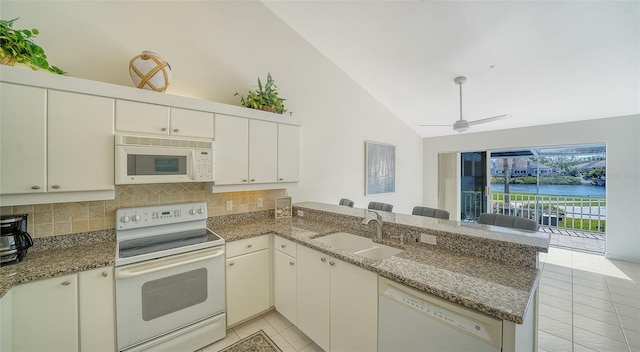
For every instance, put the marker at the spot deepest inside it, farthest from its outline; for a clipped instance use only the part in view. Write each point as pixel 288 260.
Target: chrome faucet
pixel 378 220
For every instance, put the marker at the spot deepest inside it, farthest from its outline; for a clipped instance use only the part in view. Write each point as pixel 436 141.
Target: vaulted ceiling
pixel 542 62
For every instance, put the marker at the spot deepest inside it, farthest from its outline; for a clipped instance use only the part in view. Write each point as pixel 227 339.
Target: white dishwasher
pixel 411 320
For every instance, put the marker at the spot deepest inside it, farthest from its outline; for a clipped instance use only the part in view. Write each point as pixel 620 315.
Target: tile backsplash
pixel 64 218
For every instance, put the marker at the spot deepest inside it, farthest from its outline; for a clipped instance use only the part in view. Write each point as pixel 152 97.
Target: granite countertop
pixel 49 263
pixel 497 289
pixel 480 231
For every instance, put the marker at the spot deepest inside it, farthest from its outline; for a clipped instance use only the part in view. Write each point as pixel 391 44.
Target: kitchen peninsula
pixel 486 269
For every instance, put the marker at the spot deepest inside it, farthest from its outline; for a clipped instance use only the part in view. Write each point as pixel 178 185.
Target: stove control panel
pixel 131 218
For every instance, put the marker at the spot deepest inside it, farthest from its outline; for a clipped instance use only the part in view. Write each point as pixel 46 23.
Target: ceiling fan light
pixel 461 126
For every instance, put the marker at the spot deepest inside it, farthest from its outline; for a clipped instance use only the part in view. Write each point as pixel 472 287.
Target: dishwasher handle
pixel 148 268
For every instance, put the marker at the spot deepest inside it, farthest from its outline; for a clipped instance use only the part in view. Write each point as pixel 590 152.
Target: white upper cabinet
pixel 23 137
pixel 288 153
pixel 134 116
pixel 191 123
pixel 255 152
pixel 232 150
pixel 80 142
pixel 246 151
pixel 54 142
pixel 263 151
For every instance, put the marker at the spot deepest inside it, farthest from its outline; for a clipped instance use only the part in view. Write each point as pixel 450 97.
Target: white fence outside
pixel 567 212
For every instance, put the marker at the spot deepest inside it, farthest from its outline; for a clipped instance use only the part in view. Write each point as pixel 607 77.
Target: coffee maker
pixel 14 238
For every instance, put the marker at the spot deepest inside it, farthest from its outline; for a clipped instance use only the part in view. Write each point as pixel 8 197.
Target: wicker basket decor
pixel 149 71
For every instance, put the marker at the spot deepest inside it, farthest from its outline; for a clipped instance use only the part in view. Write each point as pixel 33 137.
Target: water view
pixel 563 190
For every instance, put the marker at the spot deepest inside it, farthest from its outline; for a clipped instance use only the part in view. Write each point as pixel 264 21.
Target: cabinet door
pixel 263 151
pixel 5 322
pixel 141 117
pixel 354 308
pixel 288 153
pixel 232 150
pixel 45 315
pixel 97 310
pixel 191 123
pixel 247 286
pixel 284 285
pixel 313 295
pixel 23 128
pixel 80 143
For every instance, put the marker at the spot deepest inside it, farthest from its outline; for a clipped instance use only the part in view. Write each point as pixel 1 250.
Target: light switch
pixel 229 205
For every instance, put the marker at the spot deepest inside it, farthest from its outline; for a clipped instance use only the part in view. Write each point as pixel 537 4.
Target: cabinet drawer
pixel 248 245
pixel 285 246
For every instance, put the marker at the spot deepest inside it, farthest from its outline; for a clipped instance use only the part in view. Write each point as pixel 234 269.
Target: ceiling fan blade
pixel 489 119
pixel 434 125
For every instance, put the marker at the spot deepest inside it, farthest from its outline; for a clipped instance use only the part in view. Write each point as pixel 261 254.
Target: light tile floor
pixel 588 303
pixel 279 329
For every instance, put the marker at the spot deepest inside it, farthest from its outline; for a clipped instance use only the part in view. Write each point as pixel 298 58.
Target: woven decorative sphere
pixel 149 71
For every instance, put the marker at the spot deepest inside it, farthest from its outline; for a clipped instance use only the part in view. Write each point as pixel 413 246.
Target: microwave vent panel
pixel 163 142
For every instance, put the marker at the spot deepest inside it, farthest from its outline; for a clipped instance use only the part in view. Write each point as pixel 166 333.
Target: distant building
pixel 592 165
pixel 519 167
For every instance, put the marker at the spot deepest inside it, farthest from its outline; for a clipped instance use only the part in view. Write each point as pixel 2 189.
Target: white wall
pixel 623 167
pixel 217 48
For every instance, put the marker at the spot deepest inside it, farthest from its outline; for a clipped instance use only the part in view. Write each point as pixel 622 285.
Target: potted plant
pixel 264 98
pixel 16 45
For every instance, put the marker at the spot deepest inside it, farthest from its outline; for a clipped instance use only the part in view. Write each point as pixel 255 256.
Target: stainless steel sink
pixel 379 252
pixel 359 245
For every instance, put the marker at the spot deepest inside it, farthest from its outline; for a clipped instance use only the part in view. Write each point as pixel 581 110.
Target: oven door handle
pixel 125 273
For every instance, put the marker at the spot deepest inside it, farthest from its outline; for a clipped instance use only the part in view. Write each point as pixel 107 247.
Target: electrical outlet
pixel 428 239
pixel 300 213
pixel 229 205
pixel 260 203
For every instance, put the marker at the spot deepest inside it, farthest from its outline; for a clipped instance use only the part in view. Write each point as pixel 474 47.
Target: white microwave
pixel 144 159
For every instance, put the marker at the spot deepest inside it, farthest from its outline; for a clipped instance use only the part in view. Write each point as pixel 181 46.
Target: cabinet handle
pixel 253 180
pixel 281 179
pixel 176 130
pixel 244 180
pixel 163 129
pixel 323 259
pixel 332 263
pixel 55 186
pixel 249 245
pixel 35 187
pixel 290 263
pixel 283 245
pixel 66 283
pixel 104 274
pixel 232 263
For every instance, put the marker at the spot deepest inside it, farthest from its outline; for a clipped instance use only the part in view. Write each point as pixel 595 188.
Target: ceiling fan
pixel 462 125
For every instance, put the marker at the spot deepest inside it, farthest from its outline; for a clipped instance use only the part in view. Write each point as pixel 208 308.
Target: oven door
pixel 163 295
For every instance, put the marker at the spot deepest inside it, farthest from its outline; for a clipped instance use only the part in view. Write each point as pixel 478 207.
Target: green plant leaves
pixel 17 43
pixel 264 98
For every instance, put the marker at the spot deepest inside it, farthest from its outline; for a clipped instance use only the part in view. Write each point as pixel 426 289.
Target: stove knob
pixel 136 218
pixel 200 211
pixel 192 212
pixel 125 219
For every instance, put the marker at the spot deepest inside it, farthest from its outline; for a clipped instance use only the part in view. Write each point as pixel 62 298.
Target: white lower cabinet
pixel 337 302
pixel 5 322
pixel 284 278
pixel 45 315
pixel 96 307
pixel 248 278
pixel 74 312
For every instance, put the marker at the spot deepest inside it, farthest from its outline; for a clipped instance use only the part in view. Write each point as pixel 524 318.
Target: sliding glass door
pixel 473 183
